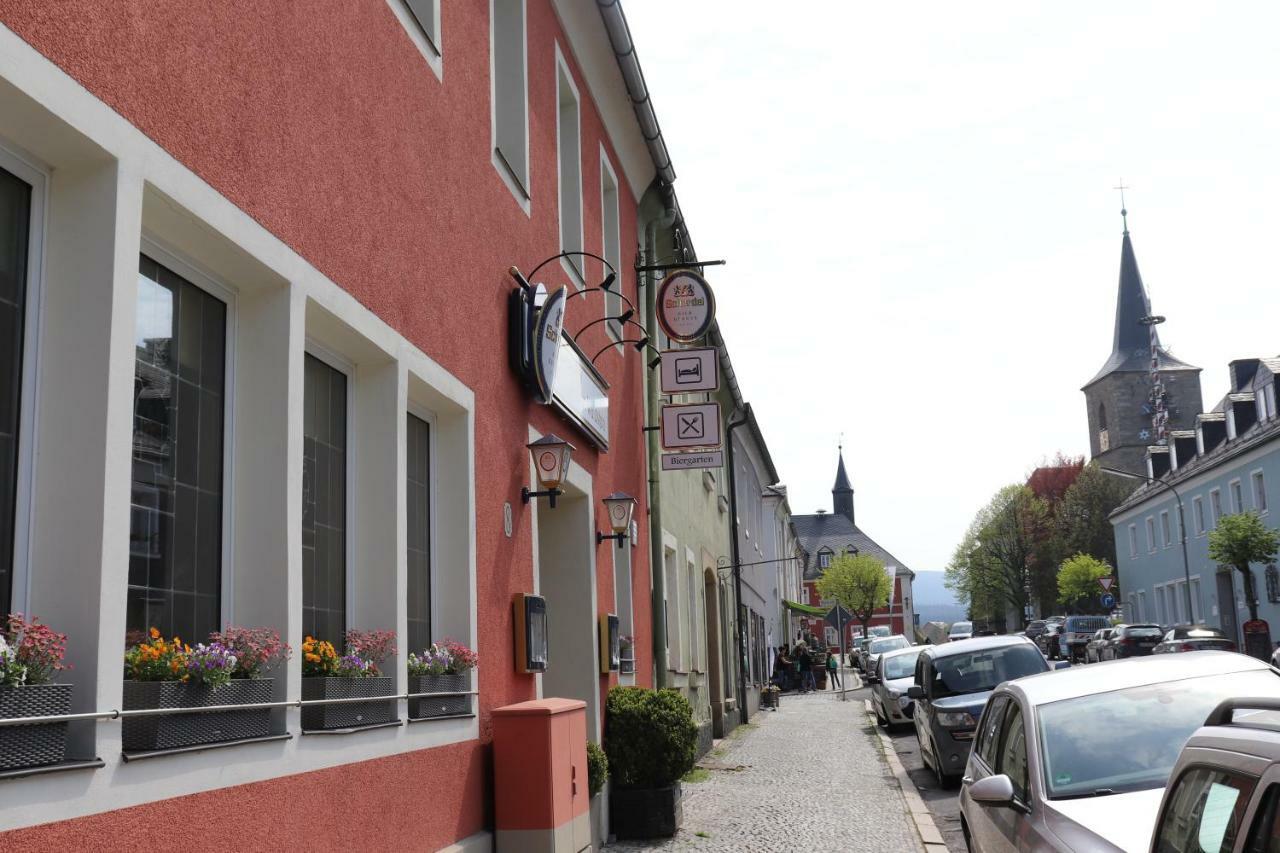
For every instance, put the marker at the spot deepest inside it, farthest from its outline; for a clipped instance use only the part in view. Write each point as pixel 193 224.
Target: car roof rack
pixel 1224 714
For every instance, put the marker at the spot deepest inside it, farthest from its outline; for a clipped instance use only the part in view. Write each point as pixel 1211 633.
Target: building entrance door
pixel 1227 606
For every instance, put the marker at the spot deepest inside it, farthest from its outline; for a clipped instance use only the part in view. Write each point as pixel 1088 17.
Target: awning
pixel 806 609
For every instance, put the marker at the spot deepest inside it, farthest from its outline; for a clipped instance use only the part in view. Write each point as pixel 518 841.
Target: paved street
pixel 809 777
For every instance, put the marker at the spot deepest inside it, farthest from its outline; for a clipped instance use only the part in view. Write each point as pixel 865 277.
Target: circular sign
pixel 549 461
pixel 1108 600
pixel 618 512
pixel 508 524
pixel 686 306
pixel 546 343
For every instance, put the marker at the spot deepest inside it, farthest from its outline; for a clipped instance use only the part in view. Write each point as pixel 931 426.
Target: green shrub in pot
pixel 597 768
pixel 650 737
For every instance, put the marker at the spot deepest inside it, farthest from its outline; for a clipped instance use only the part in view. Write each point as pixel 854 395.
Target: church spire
pixel 842 492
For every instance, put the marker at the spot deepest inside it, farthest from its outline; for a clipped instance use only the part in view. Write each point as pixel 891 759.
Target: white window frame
pixel 427 415
pixel 37 177
pixel 519 186
pixel 1258 484
pixel 1151 534
pixel 613 298
pixel 1166 529
pixel 824 559
pixel 1215 507
pixel 1133 540
pixel 425 35
pixel 347 368
pixel 222 290
pixel 569 187
pixel 1196 608
pixel 693 578
pixel 1236 489
pixel 1197 514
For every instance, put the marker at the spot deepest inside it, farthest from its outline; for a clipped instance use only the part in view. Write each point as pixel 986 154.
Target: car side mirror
pixel 915 691
pixel 872 678
pixel 993 791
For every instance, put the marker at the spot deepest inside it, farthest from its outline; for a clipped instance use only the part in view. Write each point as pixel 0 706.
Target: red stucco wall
pixel 324 123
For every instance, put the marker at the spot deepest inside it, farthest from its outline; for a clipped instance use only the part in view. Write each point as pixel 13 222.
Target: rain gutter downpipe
pixel 737 561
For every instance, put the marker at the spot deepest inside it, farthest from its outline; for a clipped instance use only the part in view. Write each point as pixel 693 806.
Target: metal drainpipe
pixel 657 557
pixel 737 563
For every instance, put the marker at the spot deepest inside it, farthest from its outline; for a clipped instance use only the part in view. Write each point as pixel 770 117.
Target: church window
pixel 1102 416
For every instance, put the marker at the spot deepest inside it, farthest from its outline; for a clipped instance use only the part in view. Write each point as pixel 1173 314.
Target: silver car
pixel 877 647
pixel 1077 760
pixel 894 673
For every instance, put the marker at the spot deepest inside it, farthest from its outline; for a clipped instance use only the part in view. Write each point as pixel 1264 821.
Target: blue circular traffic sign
pixel 1108 600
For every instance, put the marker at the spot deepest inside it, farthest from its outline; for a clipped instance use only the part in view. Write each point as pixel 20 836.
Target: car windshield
pixel 962 628
pixel 1083 624
pixel 1144 631
pixel 982 670
pixel 880 631
pixel 900 666
pixel 1128 740
pixel 879 647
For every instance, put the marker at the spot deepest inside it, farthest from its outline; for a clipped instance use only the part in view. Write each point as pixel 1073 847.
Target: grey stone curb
pixel 919 812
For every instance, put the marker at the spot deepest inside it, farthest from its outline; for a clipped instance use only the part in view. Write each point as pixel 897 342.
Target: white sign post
pixel 685 371
pixel 696 425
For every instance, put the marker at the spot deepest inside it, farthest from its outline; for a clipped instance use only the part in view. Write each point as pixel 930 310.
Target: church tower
pixel 1120 400
pixel 842 492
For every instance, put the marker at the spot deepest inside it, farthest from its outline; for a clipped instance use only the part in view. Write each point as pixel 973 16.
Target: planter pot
pixel 439 706
pixel 768 699
pixel 627 666
pixel 170 731
pixel 349 714
pixel 32 746
pixel 636 813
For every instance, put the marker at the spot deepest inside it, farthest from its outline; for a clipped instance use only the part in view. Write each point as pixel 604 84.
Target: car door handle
pixel 966 780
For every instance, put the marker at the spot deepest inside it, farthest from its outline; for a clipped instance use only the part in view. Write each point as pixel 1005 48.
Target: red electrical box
pixel 542 802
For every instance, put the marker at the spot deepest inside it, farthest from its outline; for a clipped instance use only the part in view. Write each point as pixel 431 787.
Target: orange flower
pixel 155 633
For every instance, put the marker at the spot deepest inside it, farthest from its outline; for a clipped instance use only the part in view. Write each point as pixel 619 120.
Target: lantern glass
pixel 620 507
pixel 551 455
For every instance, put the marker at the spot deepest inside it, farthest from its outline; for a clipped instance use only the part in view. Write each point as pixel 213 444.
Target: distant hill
pixel 933 601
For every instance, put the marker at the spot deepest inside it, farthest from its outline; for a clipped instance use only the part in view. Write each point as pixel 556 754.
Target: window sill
pixel 201 747
pixel 354 729
pixel 412 720
pixel 61 766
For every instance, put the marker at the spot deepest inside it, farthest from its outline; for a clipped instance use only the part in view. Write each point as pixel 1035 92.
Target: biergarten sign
pixel 546 344
pixel 686 306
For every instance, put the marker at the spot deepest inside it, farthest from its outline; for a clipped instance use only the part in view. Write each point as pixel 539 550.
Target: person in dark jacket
pixel 807 682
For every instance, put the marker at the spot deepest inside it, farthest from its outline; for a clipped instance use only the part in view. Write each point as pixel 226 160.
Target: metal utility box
pixel 540 777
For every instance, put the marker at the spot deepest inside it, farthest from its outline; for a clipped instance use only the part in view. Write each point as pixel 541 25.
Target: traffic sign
pixel 687 370
pixel 1108 600
pixel 696 425
pixel 838 617
pixel 1106 583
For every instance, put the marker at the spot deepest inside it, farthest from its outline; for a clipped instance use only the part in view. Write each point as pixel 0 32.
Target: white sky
pixel 915 202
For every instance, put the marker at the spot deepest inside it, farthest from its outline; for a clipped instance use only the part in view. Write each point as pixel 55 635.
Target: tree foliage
pixel 859 583
pixel 1078 578
pixel 991 570
pixel 1084 516
pixel 1242 539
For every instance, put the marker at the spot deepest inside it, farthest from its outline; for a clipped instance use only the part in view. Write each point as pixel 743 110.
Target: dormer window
pixel 824 558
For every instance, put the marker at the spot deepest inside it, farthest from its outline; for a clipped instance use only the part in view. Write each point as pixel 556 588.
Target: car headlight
pixel 956 719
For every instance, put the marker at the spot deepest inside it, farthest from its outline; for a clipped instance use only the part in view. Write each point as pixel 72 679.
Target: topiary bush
pixel 597 768
pixel 650 737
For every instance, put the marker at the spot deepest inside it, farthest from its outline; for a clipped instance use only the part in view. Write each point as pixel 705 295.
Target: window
pixel 1266 823
pixel 569 147
pixel 1237 496
pixel 426 13
pixel 1195 600
pixel 1259 491
pixel 1165 531
pixel 175 518
pixel 15 228
pixel 988 732
pixel 1197 511
pixel 1133 540
pixel 1204 811
pixel 824 559
pixel 1215 507
pixel 1151 535
pixel 691 594
pixel 418 511
pixel 508 73
pixel 324 502
pixel 611 248
pixel 1013 752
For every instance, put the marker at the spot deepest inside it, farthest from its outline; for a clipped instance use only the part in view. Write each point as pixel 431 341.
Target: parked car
pixel 1048 641
pixel 1093 651
pixel 894 674
pixel 879 631
pixel 1076 633
pixel 960 631
pixel 1078 760
pixel 1034 629
pixel 859 648
pixel 952 683
pixel 1224 792
pixel 1131 641
pixel 1193 638
pixel 878 646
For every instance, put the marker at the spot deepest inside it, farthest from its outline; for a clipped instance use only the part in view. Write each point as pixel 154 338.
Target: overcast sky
pixel 915 202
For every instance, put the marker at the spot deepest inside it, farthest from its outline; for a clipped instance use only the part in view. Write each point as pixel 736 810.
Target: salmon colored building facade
pixel 349 182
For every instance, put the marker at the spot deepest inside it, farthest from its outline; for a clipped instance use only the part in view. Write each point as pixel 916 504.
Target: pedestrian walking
pixel 833 671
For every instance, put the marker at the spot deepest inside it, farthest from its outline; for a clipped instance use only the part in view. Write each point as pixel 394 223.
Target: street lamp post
pixel 1182 527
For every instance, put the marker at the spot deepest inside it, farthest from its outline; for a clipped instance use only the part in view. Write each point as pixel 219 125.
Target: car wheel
pixel 880 718
pixel 945 780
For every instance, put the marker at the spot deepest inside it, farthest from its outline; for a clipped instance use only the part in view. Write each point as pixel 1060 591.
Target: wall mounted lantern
pixel 620 506
pixel 551 455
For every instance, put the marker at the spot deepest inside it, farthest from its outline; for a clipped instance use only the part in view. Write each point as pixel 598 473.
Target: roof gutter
pixel 624 50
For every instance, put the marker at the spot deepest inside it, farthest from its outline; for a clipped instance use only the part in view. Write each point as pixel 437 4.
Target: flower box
pixel 170 731
pixel 439 706
pixel 627 666
pixel 347 714
pixel 43 743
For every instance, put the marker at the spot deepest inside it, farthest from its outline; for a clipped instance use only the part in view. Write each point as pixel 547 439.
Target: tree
pixel 1242 539
pixel 1083 518
pixel 991 569
pixel 1078 578
pixel 857 582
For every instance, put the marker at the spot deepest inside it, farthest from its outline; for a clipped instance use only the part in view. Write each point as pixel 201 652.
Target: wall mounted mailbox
pixel 610 644
pixel 530 613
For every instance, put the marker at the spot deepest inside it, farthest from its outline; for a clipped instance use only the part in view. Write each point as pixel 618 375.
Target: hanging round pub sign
pixel 686 306
pixel 546 344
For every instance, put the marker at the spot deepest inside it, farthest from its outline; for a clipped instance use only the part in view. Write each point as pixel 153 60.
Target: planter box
pixel 170 731
pixel 636 813
pixel 349 714
pixel 32 746
pixel 439 706
pixel 627 666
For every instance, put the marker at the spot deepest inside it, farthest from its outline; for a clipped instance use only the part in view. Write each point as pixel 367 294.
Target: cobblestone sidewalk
pixel 809 777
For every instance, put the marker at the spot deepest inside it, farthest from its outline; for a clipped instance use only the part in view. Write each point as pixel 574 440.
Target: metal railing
pixel 117 714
